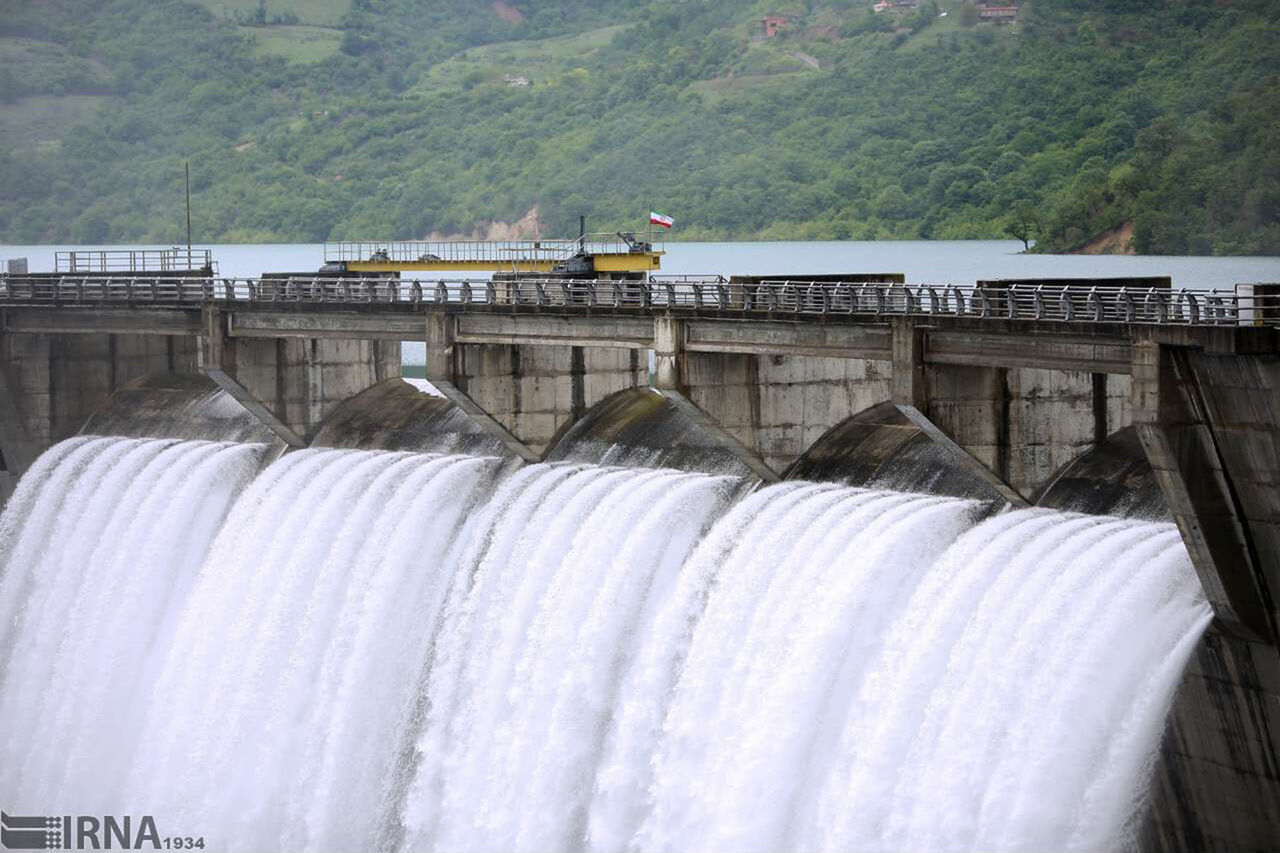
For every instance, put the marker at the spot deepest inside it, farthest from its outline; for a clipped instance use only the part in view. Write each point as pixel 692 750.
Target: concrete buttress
pixel 1181 443
pixel 911 396
pixel 670 371
pixel 443 355
pixel 217 362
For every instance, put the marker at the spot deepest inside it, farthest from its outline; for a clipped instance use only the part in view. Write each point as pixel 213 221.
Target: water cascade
pixel 357 650
pixel 99 548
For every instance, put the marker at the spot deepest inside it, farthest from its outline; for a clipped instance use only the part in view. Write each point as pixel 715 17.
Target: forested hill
pixel 315 119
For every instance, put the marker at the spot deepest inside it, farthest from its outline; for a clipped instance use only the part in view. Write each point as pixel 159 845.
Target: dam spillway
pixel 360 649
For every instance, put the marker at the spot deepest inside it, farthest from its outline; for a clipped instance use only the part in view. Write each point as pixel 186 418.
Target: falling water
pixel 98 550
pixel 358 650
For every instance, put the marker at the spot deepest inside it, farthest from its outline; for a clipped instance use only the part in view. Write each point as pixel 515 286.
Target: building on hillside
pixel 998 14
pixel 515 80
pixel 906 4
pixel 882 6
pixel 771 24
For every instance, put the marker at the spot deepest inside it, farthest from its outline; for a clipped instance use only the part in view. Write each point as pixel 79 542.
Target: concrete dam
pixel 652 565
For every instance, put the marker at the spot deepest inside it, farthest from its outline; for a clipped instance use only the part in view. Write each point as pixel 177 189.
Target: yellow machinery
pixel 600 255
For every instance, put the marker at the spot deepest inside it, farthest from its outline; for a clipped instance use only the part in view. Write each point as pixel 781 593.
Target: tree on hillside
pixel 968 14
pixel 1022 223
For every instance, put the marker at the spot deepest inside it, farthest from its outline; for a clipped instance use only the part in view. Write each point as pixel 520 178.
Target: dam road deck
pixel 1069 328
pixel 1010 384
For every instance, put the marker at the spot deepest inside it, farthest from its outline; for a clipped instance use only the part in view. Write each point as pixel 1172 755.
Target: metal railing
pixel 133 260
pixel 688 279
pixel 1246 305
pixel 495 252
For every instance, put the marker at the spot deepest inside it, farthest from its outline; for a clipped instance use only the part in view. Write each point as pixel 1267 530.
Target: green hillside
pixel 319 119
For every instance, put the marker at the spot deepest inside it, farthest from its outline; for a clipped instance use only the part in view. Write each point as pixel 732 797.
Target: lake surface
pixel 931 261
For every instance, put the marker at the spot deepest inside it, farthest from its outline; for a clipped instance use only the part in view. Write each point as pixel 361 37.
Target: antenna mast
pixel 188 166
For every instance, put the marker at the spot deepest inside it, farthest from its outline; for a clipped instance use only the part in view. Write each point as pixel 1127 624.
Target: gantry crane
pixel 620 254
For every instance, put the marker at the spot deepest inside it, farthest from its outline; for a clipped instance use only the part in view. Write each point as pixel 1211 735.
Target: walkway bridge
pixel 1020 388
pixel 167 262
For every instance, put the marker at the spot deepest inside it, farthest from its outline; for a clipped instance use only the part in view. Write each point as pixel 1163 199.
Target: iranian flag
pixel 656 218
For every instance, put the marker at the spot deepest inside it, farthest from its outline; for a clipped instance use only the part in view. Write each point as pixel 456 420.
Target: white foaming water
pixel 397 651
pixel 277 716
pixel 98 551
pixel 528 661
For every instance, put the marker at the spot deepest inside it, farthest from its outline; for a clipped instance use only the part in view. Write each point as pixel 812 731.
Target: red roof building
pixel 772 23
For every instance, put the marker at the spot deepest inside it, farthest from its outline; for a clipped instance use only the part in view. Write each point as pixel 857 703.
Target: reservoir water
pixel 927 261
pixel 365 650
